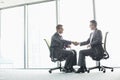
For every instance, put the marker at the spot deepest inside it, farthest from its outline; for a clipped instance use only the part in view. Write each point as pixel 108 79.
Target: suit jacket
pixel 96 44
pixel 57 43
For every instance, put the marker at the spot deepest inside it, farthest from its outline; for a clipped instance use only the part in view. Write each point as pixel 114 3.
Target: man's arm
pixel 98 39
pixel 85 42
pixel 58 39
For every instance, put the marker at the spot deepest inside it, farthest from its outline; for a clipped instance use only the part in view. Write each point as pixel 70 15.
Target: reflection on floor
pixel 16 74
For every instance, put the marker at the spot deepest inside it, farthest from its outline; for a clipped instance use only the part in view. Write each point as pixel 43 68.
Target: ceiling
pixel 9 3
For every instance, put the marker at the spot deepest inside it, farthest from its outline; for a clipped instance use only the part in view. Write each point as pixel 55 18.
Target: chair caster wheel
pixel 112 70
pixel 99 69
pixel 61 69
pixel 104 71
pixel 88 71
pixel 50 71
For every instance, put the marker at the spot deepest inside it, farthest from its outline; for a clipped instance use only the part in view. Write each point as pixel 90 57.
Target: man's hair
pixel 94 22
pixel 58 26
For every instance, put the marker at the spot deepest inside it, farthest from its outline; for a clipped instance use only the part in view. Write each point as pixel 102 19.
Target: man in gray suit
pixel 95 47
pixel 58 49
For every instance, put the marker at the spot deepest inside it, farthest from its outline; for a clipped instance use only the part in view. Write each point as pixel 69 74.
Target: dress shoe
pixel 85 69
pixel 66 70
pixel 72 70
pixel 80 70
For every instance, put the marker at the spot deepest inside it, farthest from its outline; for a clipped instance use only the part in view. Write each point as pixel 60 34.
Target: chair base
pixel 60 68
pixel 56 68
pixel 101 68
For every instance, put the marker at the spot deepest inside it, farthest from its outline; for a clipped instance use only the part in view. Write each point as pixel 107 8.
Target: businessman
pixel 94 45
pixel 58 49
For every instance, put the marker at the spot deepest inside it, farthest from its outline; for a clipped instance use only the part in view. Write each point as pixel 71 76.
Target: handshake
pixel 75 43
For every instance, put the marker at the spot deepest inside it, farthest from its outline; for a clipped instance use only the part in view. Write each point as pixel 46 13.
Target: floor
pixel 16 74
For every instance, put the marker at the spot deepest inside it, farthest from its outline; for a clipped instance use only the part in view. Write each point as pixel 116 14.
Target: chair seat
pixel 55 59
pixel 97 58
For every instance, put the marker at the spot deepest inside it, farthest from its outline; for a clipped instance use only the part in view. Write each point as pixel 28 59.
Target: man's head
pixel 93 24
pixel 59 28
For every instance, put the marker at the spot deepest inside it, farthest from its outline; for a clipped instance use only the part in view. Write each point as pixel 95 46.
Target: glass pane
pixel 75 16
pixel 12 37
pixel 42 22
pixel 108 17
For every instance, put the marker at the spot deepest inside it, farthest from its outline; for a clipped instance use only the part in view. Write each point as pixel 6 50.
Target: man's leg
pixel 81 60
pixel 70 57
pixel 74 61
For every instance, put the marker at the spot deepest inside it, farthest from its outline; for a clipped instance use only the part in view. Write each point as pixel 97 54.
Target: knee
pixel 70 53
pixel 74 52
pixel 81 52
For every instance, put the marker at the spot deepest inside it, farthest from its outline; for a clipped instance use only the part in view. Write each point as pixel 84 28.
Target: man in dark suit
pixel 58 49
pixel 94 44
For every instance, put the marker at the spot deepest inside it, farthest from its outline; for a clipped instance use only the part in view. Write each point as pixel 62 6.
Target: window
pixel 41 25
pixel 108 18
pixel 12 36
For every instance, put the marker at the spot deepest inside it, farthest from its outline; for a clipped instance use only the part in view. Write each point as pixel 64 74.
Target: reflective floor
pixel 15 74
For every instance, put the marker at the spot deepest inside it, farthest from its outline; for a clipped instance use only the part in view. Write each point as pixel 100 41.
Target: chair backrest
pixel 47 43
pixel 106 55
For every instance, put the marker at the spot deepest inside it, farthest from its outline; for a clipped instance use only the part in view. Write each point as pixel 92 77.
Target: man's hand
pixel 88 46
pixel 75 43
pixel 68 46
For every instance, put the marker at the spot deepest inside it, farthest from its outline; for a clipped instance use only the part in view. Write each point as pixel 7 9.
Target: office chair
pixel 105 56
pixel 54 59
